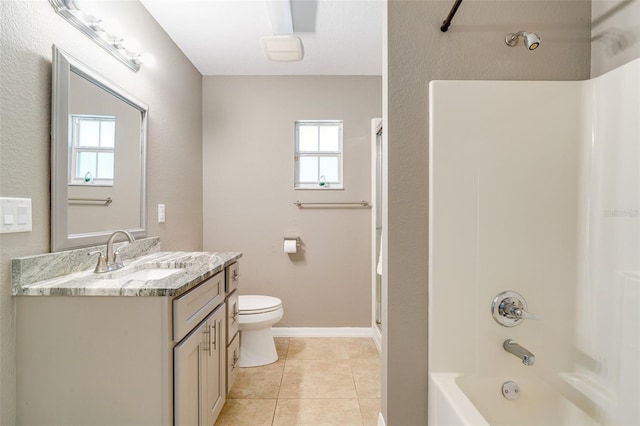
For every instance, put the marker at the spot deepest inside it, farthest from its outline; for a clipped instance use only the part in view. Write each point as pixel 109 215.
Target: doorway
pixel 377 228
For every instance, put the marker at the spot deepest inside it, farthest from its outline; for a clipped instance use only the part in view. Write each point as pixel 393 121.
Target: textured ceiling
pixel 222 37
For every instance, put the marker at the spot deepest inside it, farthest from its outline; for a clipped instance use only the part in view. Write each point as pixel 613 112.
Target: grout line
pixel 355 388
pixel 286 356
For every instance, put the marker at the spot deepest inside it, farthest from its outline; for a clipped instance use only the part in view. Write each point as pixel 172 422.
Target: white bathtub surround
pixel 607 323
pixel 192 268
pixel 534 188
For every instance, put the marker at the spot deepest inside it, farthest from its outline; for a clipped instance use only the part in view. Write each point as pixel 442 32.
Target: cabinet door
pixel 188 357
pixel 199 372
pixel 233 361
pixel 214 380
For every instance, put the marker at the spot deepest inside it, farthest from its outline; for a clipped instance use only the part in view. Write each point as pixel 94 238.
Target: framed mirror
pixel 98 157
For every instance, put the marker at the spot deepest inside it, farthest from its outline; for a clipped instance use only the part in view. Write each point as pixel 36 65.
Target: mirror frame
pixel 63 65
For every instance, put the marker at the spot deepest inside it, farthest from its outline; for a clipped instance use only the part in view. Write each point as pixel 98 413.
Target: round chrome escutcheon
pixel 510 390
pixel 503 299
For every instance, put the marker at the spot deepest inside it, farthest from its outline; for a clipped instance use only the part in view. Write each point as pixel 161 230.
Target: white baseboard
pixel 377 338
pixel 321 331
pixel 381 420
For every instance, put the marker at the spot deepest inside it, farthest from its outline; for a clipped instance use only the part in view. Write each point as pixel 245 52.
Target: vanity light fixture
pixel 92 27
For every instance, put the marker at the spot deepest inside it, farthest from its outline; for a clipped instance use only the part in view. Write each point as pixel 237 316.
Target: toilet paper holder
pixel 292 238
pixel 290 245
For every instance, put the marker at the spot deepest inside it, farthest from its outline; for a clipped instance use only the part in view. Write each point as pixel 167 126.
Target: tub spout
pixel 514 348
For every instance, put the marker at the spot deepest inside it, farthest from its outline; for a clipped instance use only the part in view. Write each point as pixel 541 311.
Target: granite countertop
pixel 193 268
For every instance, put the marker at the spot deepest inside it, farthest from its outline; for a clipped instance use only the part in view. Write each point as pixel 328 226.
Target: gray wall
pixel 417 52
pixel 248 193
pixel 615 34
pixel 173 91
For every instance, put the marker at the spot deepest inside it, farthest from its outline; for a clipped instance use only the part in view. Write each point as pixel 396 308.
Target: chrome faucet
pixel 112 262
pixel 510 309
pixel 514 348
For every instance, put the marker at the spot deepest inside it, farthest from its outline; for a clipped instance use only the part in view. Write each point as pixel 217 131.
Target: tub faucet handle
pixel 513 311
pixel 510 309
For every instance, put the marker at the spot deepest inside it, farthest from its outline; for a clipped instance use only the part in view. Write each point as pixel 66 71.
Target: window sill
pixel 319 188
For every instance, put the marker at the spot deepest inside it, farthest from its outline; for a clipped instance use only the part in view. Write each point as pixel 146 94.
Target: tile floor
pixel 316 382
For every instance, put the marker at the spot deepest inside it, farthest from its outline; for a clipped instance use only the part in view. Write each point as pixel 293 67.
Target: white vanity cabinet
pixel 157 358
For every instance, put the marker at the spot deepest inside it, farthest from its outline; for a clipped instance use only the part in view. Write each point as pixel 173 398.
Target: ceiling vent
pixel 283 48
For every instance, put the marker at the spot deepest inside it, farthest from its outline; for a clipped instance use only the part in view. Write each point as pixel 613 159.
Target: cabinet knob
pixel 235 313
pixel 236 359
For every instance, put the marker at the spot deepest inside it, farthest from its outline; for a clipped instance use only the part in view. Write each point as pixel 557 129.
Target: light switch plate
pixel 161 217
pixel 15 215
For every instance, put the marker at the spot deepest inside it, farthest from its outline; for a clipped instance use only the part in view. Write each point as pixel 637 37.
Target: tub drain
pixel 510 390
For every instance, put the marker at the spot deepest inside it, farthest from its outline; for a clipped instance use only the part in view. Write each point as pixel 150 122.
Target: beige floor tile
pixel 317 412
pixel 247 412
pixel 258 382
pixel 362 348
pixel 282 346
pixel 366 375
pixel 317 379
pixel 318 348
pixel 369 409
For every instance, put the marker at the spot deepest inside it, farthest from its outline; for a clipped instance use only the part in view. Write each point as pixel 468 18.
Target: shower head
pixel 531 40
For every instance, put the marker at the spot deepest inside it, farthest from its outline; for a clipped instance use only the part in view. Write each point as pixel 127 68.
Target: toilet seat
pixel 252 304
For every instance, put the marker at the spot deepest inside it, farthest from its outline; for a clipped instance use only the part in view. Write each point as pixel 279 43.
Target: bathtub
pixel 457 399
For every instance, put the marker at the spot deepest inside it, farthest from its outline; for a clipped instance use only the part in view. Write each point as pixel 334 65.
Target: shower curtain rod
pixel 447 22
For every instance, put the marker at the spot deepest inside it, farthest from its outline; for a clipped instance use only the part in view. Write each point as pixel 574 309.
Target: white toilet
pixel 257 314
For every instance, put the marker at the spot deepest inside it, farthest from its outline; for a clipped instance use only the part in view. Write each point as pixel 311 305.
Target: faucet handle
pixel 116 259
pixel 102 264
pixel 510 309
pixel 522 314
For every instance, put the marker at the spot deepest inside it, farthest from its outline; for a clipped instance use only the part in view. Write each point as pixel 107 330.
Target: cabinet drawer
pixel 233 319
pixel 233 277
pixel 192 307
pixel 233 361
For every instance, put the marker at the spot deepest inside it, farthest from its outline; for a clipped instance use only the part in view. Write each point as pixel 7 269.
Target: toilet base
pixel 257 347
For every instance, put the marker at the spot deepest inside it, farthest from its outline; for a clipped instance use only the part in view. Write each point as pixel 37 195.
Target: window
pixel 92 151
pixel 318 157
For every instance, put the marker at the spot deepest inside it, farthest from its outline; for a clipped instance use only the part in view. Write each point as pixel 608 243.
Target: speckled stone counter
pixel 59 274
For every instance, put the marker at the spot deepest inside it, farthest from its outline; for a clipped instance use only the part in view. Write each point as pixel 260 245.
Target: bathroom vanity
pixel 153 343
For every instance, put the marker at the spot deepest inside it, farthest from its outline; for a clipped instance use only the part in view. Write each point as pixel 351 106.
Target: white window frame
pixel 77 148
pixel 339 184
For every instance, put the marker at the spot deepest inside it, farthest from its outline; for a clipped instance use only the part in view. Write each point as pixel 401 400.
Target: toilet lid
pixel 251 304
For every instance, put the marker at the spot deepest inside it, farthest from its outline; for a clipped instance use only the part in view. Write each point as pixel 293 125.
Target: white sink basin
pixel 147 273
pixel 150 274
